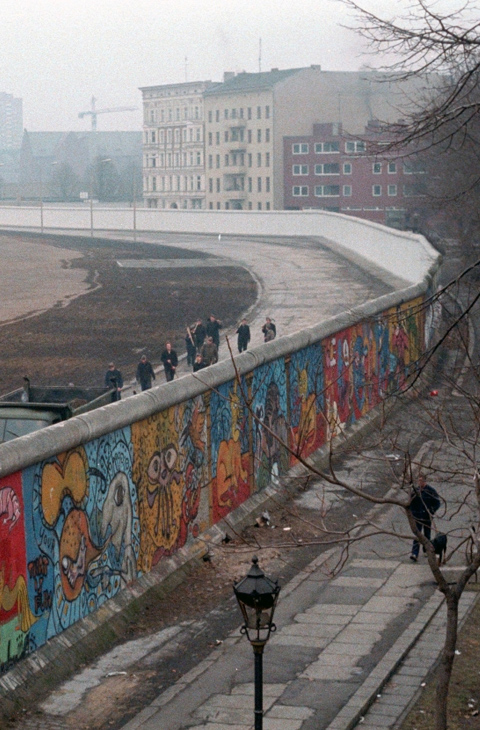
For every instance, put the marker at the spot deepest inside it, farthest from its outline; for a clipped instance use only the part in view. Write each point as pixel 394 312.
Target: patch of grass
pixel 464 699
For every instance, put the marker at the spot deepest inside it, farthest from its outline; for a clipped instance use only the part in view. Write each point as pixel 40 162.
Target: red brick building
pixel 332 171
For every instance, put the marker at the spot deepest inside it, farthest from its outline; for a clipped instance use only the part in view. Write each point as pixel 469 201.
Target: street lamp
pixel 257 597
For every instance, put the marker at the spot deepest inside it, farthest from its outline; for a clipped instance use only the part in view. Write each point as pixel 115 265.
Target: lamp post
pixel 257 597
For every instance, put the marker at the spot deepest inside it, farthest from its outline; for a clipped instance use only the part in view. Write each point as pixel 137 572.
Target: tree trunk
pixel 446 662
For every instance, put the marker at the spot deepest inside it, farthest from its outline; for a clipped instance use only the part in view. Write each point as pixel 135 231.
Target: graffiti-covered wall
pixel 78 526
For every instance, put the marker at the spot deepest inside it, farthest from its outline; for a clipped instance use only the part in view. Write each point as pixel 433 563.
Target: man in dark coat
pixel 269 330
pixel 114 380
pixel 198 364
pixel 170 361
pixel 213 329
pixel 425 502
pixel 191 346
pixel 243 333
pixel 145 373
pixel 199 334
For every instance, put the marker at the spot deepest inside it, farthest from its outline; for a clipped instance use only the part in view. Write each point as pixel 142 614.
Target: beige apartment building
pixel 248 115
pixel 173 145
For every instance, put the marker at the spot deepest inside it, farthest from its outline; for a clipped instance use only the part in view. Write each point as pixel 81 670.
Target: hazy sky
pixel 56 54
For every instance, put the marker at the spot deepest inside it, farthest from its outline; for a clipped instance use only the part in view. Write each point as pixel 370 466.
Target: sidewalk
pixel 338 642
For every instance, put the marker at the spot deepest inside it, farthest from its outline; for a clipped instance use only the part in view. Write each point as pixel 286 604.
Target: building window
pixel 267 112
pixel 234 113
pixel 300 149
pixel 259 112
pixel 218 206
pixel 249 112
pixel 210 138
pixel 392 190
pixel 199 158
pixel 300 169
pixel 392 168
pixel 217 161
pixel 226 136
pixel 259 206
pixel 250 205
pixel 249 135
pixel 249 184
pixel 225 113
pixel 328 168
pixel 355 146
pixel 267 206
pixel 300 191
pixel 249 159
pixel 327 191
pixel 199 182
pixel 376 191
pixel 217 115
pixel 210 206
pixel 154 183
pixel 210 116
pixel 347 191
pixel 377 168
pixel 217 138
pixel 199 134
pixel 267 135
pixel 177 114
pixel 197 115
pixel 210 185
pixel 267 159
pixel 227 206
pixel 259 135
pixel 324 147
pixel 226 160
pixel 218 184
pixel 267 184
pixel 259 159
pixel 347 168
pixel 259 184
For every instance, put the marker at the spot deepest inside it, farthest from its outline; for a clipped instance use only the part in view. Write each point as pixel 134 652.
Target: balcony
pixel 235 123
pixel 235 194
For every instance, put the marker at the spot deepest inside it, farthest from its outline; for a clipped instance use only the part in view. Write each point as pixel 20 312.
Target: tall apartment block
pixel 11 122
pixel 173 145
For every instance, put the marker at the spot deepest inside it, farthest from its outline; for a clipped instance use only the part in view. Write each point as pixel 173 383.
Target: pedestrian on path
pixel 191 346
pixel 425 502
pixel 243 333
pixel 114 380
pixel 170 361
pixel 269 330
pixel 213 328
pixel 198 364
pixel 209 352
pixel 145 373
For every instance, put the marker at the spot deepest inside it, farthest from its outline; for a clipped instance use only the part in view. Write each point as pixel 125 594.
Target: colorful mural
pixel 76 528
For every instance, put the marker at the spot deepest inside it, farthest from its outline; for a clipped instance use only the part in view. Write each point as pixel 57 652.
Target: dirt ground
pixel 125 312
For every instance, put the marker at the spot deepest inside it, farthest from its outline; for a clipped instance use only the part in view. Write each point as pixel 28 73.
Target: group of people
pixel 202 343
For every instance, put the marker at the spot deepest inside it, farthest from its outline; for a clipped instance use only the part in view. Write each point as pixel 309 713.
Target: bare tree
pixel 454 429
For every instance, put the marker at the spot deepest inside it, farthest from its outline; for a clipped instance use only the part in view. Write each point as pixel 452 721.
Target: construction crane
pixel 93 112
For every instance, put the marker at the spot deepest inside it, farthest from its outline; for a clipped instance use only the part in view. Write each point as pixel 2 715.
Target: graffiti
pixel 77 528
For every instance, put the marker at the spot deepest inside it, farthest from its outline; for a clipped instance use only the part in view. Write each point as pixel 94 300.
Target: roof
pixel 252 81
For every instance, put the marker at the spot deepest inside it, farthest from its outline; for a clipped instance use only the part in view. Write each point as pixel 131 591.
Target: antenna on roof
pixel 259 55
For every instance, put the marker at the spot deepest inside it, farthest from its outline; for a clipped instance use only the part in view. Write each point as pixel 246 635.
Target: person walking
pixel 170 361
pixel 114 380
pixel 213 328
pixel 198 364
pixel 269 330
pixel 209 352
pixel 191 346
pixel 145 373
pixel 199 333
pixel 243 333
pixel 425 502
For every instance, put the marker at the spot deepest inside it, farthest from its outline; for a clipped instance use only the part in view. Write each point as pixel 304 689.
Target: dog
pixel 439 543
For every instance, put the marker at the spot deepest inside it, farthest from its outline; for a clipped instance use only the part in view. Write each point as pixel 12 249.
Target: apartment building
pixel 11 122
pixel 248 115
pixel 329 170
pixel 173 145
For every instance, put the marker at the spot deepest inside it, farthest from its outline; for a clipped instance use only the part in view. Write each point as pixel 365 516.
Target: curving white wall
pixel 403 254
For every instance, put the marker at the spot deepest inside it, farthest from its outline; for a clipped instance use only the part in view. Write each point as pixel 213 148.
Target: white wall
pixel 405 255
